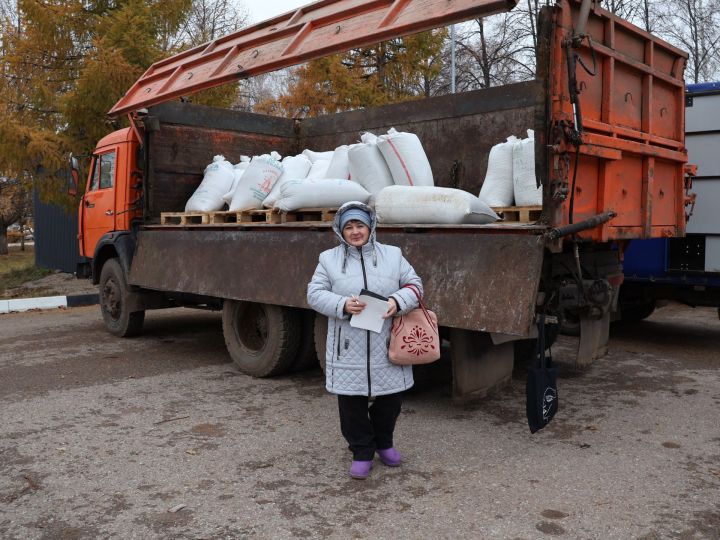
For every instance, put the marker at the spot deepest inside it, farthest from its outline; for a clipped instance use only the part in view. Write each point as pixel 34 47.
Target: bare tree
pixel 694 26
pixel 8 11
pixel 493 51
pixel 263 89
pixel 642 13
pixel 211 19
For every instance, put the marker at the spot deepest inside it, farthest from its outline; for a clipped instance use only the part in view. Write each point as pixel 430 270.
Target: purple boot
pixel 360 470
pixel 390 457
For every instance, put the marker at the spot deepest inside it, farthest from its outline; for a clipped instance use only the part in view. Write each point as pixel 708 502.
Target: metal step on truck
pixel 607 107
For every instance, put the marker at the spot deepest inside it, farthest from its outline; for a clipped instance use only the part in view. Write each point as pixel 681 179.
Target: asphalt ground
pixel 161 437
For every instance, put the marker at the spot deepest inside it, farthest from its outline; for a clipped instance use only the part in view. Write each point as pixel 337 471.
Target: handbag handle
pixel 416 290
pixel 540 360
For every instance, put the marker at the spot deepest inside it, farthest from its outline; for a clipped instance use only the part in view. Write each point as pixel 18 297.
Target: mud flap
pixel 593 343
pixel 479 366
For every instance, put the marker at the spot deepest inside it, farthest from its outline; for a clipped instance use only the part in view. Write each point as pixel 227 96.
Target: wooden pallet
pixel 255 217
pixel 521 214
pixel 183 218
pixel 245 216
pixel 309 214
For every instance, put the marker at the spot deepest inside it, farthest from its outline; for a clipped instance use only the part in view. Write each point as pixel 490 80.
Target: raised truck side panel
pixel 633 154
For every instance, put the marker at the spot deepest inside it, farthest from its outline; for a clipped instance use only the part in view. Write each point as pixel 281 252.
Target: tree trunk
pixel 3 240
pixel 22 235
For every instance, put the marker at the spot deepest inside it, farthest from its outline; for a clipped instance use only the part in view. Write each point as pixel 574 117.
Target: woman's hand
pixel 392 309
pixel 353 306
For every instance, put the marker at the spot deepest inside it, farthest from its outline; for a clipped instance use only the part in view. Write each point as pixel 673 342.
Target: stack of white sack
pixel 256 182
pixel 238 170
pixel 406 159
pixel 319 169
pixel 367 166
pixel 497 189
pixel 525 188
pixel 431 205
pixel 318 156
pixel 319 193
pixel 339 166
pixel 294 168
pixel 217 181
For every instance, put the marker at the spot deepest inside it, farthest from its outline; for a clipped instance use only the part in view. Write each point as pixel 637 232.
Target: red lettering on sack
pixel 266 186
pixel 402 163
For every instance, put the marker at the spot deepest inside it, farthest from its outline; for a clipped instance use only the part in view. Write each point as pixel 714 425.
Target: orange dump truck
pixel 607 109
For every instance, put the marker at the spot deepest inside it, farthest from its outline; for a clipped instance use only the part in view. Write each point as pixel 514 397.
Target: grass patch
pixel 19 267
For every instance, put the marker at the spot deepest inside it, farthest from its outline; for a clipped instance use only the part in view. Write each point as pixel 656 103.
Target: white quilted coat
pixel 357 360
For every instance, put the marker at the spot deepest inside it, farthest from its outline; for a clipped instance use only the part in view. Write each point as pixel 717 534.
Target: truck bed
pixel 457 133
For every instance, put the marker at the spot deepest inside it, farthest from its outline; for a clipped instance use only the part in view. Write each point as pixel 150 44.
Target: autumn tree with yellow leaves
pixel 389 72
pixel 64 63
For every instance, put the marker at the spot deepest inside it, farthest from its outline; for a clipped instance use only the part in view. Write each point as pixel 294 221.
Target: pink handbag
pixel 414 337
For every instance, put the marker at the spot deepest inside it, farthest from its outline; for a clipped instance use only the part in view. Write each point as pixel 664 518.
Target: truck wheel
pixel 637 312
pixel 262 339
pixel 321 330
pixel 113 302
pixel 307 357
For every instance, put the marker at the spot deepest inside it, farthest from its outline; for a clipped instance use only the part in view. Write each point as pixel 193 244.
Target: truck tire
pixel 306 357
pixel 262 339
pixel 637 312
pixel 113 291
pixel 321 329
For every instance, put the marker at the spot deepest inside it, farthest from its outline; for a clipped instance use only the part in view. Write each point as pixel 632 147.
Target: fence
pixel 56 244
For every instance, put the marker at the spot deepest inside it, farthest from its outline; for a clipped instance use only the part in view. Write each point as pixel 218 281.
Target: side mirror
pixel 74 180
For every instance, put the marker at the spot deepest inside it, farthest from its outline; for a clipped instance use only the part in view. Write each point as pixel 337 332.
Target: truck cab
pixel 112 199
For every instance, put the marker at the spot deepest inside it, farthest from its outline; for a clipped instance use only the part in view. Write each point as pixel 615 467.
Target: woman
pixel 357 366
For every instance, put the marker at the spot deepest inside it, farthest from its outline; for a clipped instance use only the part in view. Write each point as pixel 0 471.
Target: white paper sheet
pixel 370 318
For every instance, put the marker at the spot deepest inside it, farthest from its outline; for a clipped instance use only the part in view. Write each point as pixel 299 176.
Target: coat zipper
pixel 339 341
pixel 367 332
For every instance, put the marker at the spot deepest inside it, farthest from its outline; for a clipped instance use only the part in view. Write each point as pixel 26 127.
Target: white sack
pixel 318 156
pixel 294 168
pixel 319 193
pixel 217 182
pixel 426 204
pixel 368 168
pixel 405 158
pixel 238 170
pixel 338 167
pixel 369 138
pixel 497 189
pixel 255 184
pixel 527 193
pixel 319 169
pixel 244 163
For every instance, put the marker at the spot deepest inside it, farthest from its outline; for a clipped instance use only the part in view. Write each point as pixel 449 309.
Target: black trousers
pixel 367 429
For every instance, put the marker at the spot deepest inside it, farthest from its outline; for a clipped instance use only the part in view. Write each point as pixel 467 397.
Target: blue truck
pixel 685 270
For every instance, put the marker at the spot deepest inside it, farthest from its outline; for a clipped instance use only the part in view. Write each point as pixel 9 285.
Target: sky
pixel 261 10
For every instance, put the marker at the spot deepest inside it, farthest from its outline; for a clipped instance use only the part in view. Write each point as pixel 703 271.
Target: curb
pixel 48 302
